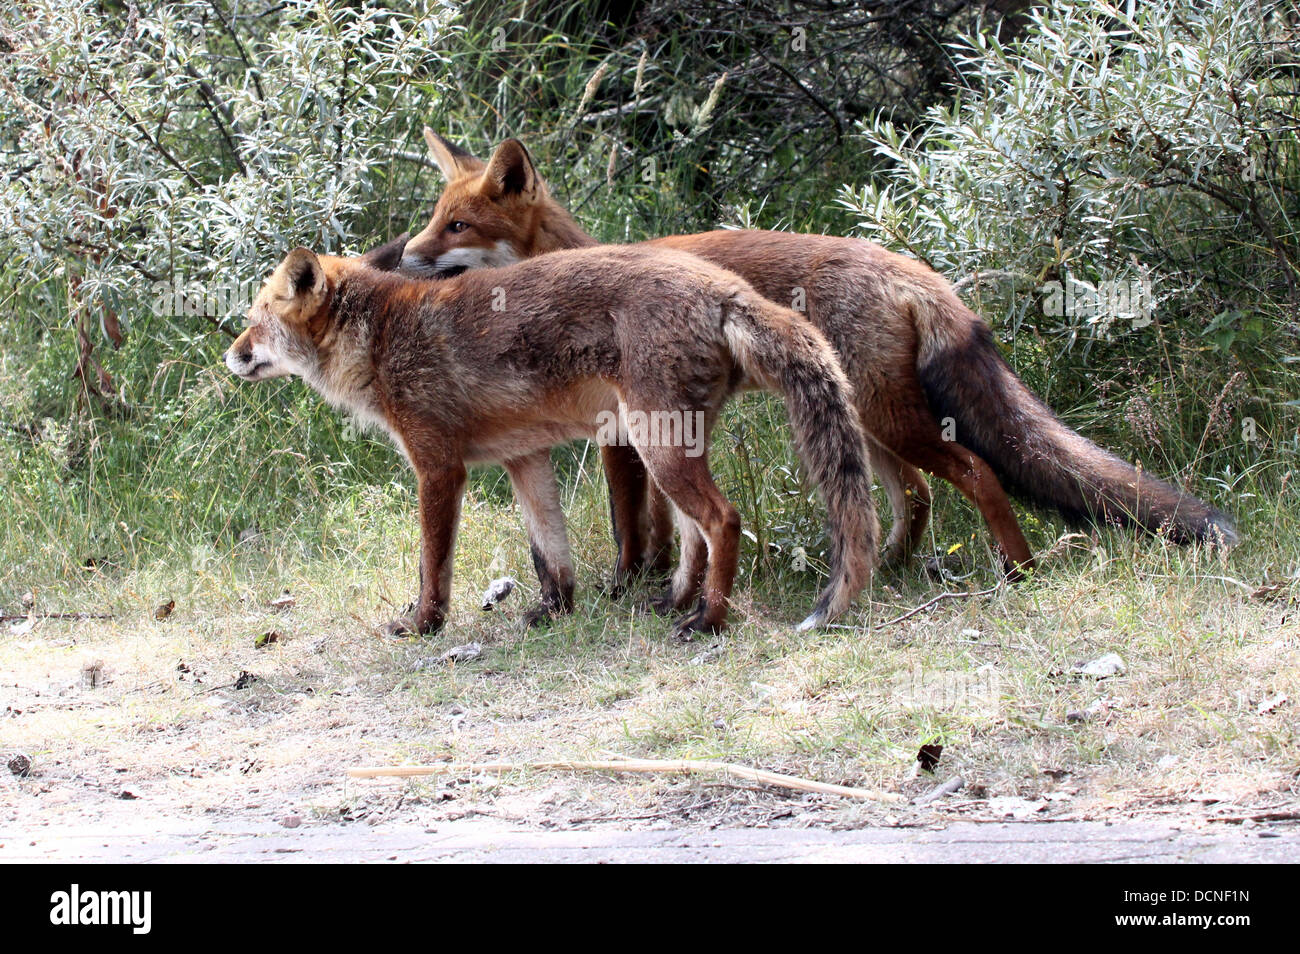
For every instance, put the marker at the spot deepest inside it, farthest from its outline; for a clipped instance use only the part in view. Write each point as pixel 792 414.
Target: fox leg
pixel 899 418
pixel 626 476
pixel 687 482
pixel 533 480
pixel 969 473
pixel 689 575
pixel 440 490
pixel 659 530
pixel 909 498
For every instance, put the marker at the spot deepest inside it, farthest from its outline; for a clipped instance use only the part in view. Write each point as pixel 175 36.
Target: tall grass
pixel 184 466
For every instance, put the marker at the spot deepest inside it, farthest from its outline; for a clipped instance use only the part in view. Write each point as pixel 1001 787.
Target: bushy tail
pixel 789 356
pixel 1033 453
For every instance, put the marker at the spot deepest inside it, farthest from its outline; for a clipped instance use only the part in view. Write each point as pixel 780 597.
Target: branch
pixel 649 766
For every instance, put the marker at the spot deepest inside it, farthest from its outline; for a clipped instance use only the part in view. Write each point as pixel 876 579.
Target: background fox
pixel 499 365
pixel 915 353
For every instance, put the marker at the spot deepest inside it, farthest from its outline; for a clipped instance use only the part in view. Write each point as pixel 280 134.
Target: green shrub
pixel 1128 179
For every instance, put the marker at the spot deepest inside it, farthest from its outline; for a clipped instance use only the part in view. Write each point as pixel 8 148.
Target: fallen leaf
pixel 1270 591
pixel 928 756
pixel 92 673
pixel 20 764
pixel 282 602
pixel 1268 705
pixel 497 591
pixel 266 639
pixel 462 653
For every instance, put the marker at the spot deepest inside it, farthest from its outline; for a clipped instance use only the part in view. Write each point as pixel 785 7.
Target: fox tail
pixel 791 357
pixel 965 377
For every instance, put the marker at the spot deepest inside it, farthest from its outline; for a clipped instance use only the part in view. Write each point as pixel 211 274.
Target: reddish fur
pixel 913 352
pixel 455 380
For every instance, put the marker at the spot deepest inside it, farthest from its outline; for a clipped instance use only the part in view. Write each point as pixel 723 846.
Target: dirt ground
pixel 159 740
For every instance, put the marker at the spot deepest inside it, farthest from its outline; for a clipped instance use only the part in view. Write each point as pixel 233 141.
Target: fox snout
pixel 242 360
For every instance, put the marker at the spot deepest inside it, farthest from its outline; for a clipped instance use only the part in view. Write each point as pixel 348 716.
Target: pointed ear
pixel 454 161
pixel 386 257
pixel 298 285
pixel 510 171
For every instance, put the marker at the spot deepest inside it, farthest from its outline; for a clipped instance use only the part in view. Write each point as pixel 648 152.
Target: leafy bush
pixel 1129 174
pixel 155 161
pixel 154 165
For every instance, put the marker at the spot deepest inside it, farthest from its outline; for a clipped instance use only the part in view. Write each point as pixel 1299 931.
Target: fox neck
pixel 557 230
pixel 343 372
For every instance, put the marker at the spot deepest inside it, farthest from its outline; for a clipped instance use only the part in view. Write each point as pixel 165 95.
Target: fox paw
pixel 410 627
pixel 538 615
pixel 697 622
pixel 661 605
pixel 614 589
pixel 401 628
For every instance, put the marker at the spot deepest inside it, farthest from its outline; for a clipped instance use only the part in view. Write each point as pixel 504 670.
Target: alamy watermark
pixel 1128 299
pixel 130 908
pixel 917 687
pixel 653 429
pixel 178 298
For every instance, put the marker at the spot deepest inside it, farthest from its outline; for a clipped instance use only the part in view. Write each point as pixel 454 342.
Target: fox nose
pixel 237 359
pixel 418 264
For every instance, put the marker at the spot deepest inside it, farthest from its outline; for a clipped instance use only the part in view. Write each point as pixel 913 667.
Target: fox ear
pixel 298 285
pixel 454 161
pixel 510 171
pixel 386 257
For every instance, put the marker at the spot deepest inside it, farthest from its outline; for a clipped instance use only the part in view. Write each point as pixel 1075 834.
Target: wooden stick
pixel 7 618
pixel 953 784
pixel 665 766
pixel 939 599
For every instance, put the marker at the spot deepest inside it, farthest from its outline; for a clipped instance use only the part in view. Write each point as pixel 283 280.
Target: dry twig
pixel 651 766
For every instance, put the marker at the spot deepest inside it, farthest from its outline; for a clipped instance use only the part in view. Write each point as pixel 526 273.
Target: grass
pixel 221 497
pixel 988 678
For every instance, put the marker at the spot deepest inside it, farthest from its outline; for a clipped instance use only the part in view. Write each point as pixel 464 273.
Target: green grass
pixel 221 496
pixel 988 678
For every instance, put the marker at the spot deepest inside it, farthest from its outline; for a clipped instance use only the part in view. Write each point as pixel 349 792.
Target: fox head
pixel 288 317
pixel 485 215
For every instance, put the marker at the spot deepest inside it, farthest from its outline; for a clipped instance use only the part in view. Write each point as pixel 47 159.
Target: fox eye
pixel 457 226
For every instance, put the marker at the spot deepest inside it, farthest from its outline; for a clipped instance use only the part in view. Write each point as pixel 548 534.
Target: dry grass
pixel 987 678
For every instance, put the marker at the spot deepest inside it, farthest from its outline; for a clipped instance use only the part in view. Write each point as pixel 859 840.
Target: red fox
pixel 498 365
pixel 917 357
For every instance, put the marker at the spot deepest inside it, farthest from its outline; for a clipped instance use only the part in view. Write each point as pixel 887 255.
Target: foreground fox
pixel 498 365
pixel 915 355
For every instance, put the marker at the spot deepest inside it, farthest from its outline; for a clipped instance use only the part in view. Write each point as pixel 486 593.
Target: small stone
pixel 463 653
pixel 20 764
pixel 1101 667
pixel 1271 703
